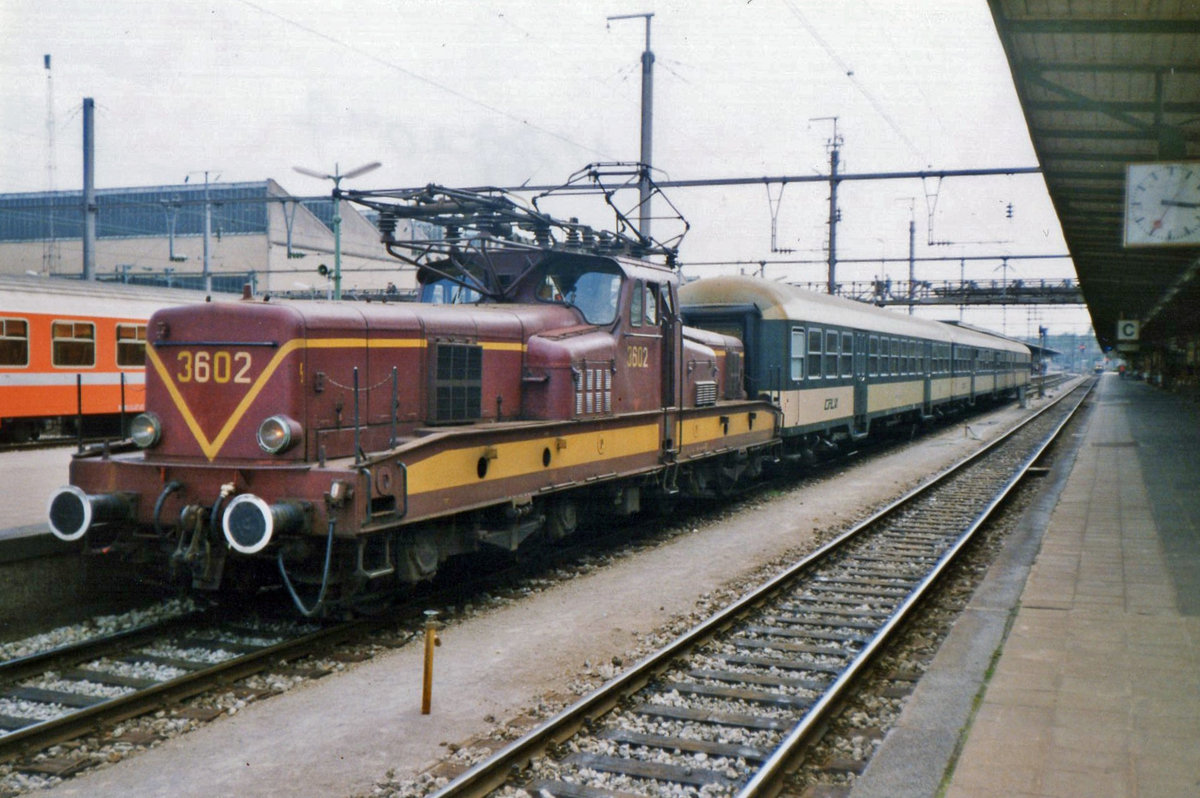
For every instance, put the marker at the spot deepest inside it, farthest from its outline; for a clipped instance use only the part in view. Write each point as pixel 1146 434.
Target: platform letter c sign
pixel 1128 330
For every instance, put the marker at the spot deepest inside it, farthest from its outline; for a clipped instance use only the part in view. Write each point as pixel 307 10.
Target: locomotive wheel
pixel 562 518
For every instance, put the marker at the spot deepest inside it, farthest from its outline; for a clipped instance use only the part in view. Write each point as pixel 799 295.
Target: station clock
pixel 1162 204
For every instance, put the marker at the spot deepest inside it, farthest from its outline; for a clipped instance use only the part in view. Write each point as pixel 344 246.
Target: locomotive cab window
pixel 635 304
pixel 131 345
pixel 593 289
pixel 666 306
pixel 448 292
pixel 797 354
pixel 14 342
pixel 73 344
pixel 651 303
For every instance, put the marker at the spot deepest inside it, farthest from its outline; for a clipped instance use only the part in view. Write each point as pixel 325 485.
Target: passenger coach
pixel 839 369
pixel 71 350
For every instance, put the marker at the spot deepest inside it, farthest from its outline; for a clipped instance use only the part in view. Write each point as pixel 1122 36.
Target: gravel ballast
pixel 360 731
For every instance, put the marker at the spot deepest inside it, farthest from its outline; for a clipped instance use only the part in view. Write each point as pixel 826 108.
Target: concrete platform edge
pixel 920 752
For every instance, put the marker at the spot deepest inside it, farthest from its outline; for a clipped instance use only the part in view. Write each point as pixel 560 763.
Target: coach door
pixel 860 382
pixel 927 372
pixel 972 368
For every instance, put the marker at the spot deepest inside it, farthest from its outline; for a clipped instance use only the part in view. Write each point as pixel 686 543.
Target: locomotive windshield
pixel 593 287
pixel 450 282
pixel 448 292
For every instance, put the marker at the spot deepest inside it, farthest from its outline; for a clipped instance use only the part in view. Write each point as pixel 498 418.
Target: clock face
pixel 1162 204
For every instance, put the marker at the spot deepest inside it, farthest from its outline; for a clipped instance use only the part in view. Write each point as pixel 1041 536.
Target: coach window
pixel 873 356
pixel 73 344
pixel 830 369
pixel 14 342
pixel 131 345
pixel 814 353
pixel 797 355
pixel 847 354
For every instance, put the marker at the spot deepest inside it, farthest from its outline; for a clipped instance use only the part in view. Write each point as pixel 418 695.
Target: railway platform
pixel 27 479
pixel 1076 670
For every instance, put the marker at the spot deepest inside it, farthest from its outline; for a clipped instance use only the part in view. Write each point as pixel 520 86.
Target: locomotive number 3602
pixel 219 367
pixel 637 357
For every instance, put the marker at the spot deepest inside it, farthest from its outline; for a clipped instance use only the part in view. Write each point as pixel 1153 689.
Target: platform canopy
pixel 1105 84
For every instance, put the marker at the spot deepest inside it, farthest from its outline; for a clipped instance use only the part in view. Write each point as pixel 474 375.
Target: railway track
pixel 64 693
pixel 729 707
pixel 57 442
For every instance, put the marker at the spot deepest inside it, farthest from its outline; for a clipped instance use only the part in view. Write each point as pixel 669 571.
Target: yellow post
pixel 431 640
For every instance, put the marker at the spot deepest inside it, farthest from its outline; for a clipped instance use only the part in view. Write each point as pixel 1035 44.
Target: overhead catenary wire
pixel 426 80
pixel 858 84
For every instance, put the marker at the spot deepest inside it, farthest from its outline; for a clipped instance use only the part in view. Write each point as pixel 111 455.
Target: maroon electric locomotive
pixel 347 449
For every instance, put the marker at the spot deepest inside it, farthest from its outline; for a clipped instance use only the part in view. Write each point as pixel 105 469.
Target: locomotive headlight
pixel 277 434
pixel 145 429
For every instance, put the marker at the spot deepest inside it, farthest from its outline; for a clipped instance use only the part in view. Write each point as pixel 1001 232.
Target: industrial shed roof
pixel 237 208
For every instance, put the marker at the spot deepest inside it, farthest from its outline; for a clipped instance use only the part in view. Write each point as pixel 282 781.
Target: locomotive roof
pixel 780 301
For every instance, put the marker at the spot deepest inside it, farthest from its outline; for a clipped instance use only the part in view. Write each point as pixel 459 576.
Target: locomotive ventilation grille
pixel 706 393
pixel 458 382
pixel 593 391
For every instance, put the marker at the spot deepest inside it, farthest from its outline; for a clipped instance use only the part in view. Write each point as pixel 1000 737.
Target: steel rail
pixel 29 664
pixel 72 724
pixel 495 771
pixel 767 780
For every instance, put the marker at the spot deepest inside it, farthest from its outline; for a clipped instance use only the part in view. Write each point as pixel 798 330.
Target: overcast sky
pixel 469 92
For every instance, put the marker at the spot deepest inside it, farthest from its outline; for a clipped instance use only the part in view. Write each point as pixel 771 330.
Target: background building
pixel 258 233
